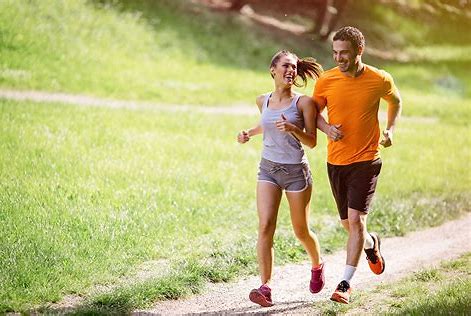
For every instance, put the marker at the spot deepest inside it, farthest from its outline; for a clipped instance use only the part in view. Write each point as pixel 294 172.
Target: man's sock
pixel 348 273
pixel 369 242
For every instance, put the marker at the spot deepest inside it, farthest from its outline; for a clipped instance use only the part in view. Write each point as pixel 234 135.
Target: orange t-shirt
pixel 354 103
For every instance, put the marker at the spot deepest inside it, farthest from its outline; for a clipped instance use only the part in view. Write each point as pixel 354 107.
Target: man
pixel 352 92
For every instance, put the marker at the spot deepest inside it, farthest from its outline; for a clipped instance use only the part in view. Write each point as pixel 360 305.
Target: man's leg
pixel 356 235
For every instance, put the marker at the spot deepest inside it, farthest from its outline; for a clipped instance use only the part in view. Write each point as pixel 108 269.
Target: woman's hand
pixel 243 137
pixel 285 126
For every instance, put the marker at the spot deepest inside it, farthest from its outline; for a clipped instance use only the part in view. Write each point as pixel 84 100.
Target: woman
pixel 288 120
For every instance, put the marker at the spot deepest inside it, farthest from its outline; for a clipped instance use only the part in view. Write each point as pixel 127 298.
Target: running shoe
pixel 374 257
pixel 317 279
pixel 261 296
pixel 342 293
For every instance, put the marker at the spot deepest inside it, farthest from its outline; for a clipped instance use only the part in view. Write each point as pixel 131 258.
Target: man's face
pixel 345 56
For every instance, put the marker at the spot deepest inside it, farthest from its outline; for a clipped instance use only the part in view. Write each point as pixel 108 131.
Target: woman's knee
pixel 267 228
pixel 302 232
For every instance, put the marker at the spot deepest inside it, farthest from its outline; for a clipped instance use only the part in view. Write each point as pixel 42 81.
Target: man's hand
pixel 334 132
pixel 243 137
pixel 387 140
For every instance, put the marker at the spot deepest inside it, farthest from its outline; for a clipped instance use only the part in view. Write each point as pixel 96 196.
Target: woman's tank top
pixel 278 146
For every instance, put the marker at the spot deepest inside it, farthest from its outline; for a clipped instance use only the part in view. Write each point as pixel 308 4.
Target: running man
pixel 351 92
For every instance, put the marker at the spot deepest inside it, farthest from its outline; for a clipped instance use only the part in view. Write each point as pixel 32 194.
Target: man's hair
pixel 351 34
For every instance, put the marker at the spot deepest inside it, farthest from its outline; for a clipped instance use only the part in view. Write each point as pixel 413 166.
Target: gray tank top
pixel 280 146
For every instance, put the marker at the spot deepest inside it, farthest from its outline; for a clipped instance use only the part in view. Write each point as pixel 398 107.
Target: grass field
pixel 89 195
pixel 440 290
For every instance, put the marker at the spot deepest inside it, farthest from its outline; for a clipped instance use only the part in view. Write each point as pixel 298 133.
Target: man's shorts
pixel 288 177
pixel 353 185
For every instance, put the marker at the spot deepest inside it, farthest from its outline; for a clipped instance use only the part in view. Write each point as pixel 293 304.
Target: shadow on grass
pixel 225 38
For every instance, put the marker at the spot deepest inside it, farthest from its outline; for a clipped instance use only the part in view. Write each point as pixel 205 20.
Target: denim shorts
pixel 288 177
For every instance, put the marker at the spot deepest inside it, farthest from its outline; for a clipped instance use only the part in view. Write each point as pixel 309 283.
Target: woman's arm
pixel 244 136
pixel 308 136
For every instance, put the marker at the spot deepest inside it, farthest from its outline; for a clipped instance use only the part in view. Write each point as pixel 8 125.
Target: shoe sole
pixel 379 251
pixel 259 299
pixel 339 299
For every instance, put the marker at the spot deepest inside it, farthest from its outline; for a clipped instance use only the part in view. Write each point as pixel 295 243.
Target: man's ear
pixel 360 51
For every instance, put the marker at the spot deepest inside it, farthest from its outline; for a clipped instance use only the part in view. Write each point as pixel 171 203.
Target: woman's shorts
pixel 354 185
pixel 288 177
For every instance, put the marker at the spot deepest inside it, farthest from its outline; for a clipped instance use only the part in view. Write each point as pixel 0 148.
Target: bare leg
pixel 356 235
pixel 299 208
pixel 268 202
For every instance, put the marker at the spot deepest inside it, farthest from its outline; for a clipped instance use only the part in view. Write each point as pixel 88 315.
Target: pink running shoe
pixel 317 279
pixel 261 296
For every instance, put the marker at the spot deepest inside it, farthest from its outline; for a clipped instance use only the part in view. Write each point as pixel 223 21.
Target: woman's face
pixel 285 70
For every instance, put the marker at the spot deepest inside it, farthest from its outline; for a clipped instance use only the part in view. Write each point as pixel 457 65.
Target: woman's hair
pixel 306 67
pixel 351 34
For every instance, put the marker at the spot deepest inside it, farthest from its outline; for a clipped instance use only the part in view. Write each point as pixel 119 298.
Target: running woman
pixel 351 92
pixel 288 120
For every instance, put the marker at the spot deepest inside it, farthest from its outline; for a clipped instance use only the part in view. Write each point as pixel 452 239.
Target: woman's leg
pixel 299 208
pixel 268 202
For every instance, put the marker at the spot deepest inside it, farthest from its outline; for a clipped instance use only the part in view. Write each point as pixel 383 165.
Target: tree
pixel 327 12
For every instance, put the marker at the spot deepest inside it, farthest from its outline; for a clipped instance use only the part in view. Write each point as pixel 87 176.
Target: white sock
pixel 348 273
pixel 369 242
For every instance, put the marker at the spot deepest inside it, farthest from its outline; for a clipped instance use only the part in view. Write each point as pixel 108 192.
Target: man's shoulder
pixel 376 72
pixel 333 72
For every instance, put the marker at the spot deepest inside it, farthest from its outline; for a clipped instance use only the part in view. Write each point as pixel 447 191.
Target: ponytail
pixel 308 67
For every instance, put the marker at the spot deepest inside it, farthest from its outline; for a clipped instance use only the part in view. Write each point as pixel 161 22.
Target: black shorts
pixel 353 185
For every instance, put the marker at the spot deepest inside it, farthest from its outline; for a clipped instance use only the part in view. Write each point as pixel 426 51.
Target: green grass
pixel 442 290
pixel 88 195
pixel 163 51
pixel 91 193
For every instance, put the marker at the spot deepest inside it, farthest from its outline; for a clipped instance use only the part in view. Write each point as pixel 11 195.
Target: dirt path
pixel 403 256
pixel 84 100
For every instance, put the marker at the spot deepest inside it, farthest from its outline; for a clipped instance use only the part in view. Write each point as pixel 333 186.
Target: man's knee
pixel 356 220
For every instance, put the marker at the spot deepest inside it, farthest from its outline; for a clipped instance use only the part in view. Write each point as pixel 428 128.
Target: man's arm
pixel 332 131
pixel 394 112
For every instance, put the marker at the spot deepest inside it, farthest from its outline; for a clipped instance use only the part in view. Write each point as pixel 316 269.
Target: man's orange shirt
pixel 354 103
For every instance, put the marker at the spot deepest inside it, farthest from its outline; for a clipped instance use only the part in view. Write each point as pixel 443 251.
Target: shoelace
pixel 275 169
pixel 370 255
pixel 343 286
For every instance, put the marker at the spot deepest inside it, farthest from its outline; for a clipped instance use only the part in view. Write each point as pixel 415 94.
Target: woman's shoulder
pixel 261 98
pixel 305 101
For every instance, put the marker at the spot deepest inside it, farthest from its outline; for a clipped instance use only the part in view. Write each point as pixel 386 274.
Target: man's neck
pixel 357 70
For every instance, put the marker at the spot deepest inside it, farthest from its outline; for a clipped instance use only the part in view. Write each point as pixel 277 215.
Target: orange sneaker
pixel 374 257
pixel 342 293
pixel 261 296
